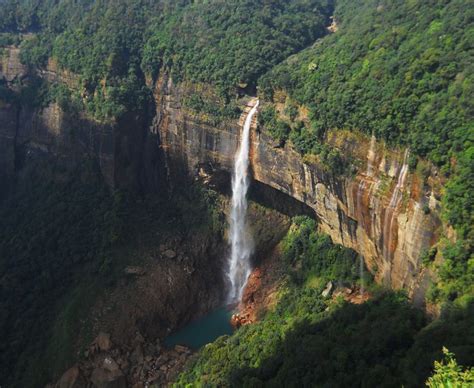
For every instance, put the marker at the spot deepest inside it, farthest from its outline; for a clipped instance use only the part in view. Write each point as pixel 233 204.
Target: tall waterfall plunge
pixel 240 240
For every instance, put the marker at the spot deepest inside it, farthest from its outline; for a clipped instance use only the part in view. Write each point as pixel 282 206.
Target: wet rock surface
pixel 261 291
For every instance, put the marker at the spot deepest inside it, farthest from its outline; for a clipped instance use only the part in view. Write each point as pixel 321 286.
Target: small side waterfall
pixel 371 157
pixel 390 216
pixel 241 242
pixel 366 184
pixel 365 187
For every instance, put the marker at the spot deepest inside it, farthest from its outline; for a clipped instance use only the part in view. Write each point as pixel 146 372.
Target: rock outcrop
pixel 386 213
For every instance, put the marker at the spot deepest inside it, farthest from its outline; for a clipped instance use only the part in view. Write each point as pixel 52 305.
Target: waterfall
pixel 390 215
pixel 371 157
pixel 361 273
pixel 240 241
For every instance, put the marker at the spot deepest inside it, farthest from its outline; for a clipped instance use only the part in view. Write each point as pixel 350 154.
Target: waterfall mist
pixel 240 240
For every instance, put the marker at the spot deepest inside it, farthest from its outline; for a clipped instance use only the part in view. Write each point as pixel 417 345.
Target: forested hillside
pixel 233 43
pixel 62 230
pixel 226 44
pixel 403 71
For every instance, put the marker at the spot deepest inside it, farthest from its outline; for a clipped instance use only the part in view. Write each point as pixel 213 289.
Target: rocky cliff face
pixel 127 153
pixel 386 213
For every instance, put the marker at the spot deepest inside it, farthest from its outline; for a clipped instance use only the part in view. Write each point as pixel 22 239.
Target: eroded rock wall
pixel 384 212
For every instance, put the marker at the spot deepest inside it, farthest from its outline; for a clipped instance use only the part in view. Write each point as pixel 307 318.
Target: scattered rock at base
pixel 169 254
pixel 72 378
pixel 182 349
pixel 137 355
pixel 103 378
pixel 238 320
pixel 134 271
pixel 110 365
pixel 327 291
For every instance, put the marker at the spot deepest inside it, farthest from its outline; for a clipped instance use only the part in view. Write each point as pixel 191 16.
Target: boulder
pixel 181 349
pixel 134 271
pixel 169 254
pixel 137 355
pixel 149 349
pixel 72 378
pixel 110 364
pixel 103 342
pixel 103 378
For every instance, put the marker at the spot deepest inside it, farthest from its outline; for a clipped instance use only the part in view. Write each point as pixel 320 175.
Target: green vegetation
pixel 214 111
pixel 99 41
pixel 108 43
pixel 7 39
pixel 313 341
pixel 278 129
pixel 55 233
pixel 314 255
pixel 399 69
pixel 456 273
pixel 304 138
pixel 449 374
pixel 233 42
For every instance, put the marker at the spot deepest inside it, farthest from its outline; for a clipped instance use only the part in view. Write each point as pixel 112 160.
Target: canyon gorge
pixel 383 212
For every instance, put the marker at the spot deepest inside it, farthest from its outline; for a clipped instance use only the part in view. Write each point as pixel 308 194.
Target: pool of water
pixel 202 331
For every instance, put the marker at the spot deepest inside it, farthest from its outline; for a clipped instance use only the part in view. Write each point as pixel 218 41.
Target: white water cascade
pixel 240 240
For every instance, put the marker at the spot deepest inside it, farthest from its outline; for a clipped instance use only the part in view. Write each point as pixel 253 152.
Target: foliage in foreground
pixel 448 373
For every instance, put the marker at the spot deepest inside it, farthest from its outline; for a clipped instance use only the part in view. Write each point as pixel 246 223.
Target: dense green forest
pixel 402 70
pixel 224 43
pixel 53 234
pixel 384 342
pixel 233 43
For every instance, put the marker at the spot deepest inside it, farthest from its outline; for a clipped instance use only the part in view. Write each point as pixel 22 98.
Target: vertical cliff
pixel 126 152
pixel 385 212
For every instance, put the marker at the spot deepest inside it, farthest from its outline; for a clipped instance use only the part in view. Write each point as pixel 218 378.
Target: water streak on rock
pixel 390 216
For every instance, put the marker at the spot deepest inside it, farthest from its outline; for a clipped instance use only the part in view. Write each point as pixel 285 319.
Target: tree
pixel 448 374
